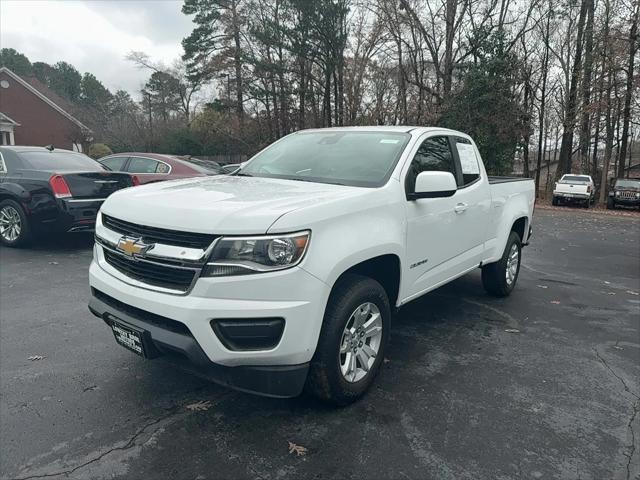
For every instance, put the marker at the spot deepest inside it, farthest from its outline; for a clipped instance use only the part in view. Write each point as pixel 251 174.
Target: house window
pixel 77 147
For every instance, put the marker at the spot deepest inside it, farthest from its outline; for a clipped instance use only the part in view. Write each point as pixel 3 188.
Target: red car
pixel 153 167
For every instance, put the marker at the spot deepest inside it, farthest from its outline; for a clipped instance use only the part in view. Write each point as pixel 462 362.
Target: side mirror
pixel 434 185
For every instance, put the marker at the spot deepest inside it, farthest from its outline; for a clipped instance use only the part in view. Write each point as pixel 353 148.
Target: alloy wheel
pixel 10 223
pixel 360 342
pixel 513 261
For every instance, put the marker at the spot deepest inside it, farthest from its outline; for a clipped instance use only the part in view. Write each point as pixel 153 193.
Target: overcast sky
pixel 95 36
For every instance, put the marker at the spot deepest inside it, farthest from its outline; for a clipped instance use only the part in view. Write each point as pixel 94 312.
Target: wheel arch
pixel 385 269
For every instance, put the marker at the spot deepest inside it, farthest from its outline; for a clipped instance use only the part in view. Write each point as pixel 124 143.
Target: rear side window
pixel 115 164
pixel 59 161
pixel 468 160
pixel 3 167
pixel 434 155
pixel 143 165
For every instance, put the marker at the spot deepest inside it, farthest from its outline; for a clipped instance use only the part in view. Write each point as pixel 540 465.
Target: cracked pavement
pixel 460 397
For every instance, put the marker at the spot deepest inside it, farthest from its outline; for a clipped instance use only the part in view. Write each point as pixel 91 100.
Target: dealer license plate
pixel 128 337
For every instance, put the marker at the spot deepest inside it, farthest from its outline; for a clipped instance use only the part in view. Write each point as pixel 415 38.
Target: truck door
pixel 441 240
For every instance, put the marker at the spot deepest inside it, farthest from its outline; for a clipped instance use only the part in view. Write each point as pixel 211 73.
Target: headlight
pixel 637 195
pixel 245 255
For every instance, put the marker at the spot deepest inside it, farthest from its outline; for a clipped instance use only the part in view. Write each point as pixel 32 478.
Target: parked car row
pixel 47 190
pixel 581 189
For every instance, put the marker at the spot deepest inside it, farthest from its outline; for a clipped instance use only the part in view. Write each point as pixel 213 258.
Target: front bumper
pixel 293 295
pixel 572 196
pixel 630 202
pixel 164 338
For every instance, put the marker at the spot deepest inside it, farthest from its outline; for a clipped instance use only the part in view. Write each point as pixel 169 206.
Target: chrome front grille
pixel 159 235
pixel 171 264
pixel 626 194
pixel 152 273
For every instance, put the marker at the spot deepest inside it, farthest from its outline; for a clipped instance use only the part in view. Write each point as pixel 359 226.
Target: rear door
pixel 117 163
pixel 473 204
pixel 148 169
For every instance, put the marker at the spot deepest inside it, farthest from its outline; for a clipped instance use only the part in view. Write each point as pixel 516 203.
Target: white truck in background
pixel 573 188
pixel 284 275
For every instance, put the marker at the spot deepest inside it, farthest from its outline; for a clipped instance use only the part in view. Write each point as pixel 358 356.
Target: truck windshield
pixel 574 179
pixel 628 183
pixel 362 159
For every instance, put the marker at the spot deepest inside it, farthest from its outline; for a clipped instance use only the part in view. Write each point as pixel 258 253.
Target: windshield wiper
pixel 240 174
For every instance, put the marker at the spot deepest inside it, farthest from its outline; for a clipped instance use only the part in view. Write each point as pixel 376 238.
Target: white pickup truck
pixel 574 188
pixel 285 275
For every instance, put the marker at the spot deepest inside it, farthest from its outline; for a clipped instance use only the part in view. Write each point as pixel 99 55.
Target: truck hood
pixel 220 205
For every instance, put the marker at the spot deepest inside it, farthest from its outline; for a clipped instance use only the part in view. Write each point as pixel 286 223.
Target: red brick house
pixel 31 114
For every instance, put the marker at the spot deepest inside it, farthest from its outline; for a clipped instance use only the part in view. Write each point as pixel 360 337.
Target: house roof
pixel 6 119
pixel 45 94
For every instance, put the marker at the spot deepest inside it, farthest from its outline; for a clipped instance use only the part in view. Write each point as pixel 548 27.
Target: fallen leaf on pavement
pixel 35 358
pixel 617 347
pixel 632 293
pixel 53 263
pixel 201 406
pixel 385 360
pixel 542 286
pixel 555 302
pixel 512 330
pixel 610 293
pixel 297 449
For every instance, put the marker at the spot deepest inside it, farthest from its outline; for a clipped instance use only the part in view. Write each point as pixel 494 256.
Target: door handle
pixel 460 208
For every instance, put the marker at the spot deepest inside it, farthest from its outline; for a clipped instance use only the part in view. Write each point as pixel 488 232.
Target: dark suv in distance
pixel 625 191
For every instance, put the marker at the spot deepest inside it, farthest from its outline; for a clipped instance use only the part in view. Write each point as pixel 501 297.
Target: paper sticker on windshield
pixel 468 159
pixel 389 140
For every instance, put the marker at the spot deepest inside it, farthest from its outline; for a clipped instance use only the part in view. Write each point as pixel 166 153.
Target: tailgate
pixel 96 184
pixel 577 188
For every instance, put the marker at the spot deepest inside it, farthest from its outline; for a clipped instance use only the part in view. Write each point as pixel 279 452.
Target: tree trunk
pixel 237 61
pixel 566 148
pixel 585 130
pixel 633 47
pixel 450 17
pixel 608 144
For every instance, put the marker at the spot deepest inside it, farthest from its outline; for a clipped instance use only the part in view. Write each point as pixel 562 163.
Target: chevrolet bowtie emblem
pixel 133 247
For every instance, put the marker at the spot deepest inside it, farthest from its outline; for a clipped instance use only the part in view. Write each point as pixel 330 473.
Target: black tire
pixel 611 204
pixel 554 201
pixel 24 237
pixel 494 275
pixel 587 204
pixel 325 380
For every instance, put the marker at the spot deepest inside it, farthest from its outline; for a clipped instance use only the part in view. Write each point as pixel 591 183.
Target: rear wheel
pixel 611 204
pixel 14 225
pixel 554 201
pixel 499 278
pixel 351 346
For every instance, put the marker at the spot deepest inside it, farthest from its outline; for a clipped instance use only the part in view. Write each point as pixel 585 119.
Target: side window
pixel 433 155
pixel 142 165
pixel 3 166
pixel 114 163
pixel 162 168
pixel 468 161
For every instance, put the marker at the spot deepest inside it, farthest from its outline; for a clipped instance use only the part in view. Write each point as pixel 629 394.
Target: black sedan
pixel 45 190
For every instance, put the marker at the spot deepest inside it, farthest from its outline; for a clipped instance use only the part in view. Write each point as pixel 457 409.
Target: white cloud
pixel 96 36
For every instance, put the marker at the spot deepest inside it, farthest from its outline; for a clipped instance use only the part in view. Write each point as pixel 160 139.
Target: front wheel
pixel 499 278
pixel 554 201
pixel 351 346
pixel 611 205
pixel 14 225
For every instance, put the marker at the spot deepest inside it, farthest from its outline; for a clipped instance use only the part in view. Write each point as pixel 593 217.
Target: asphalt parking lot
pixel 543 384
